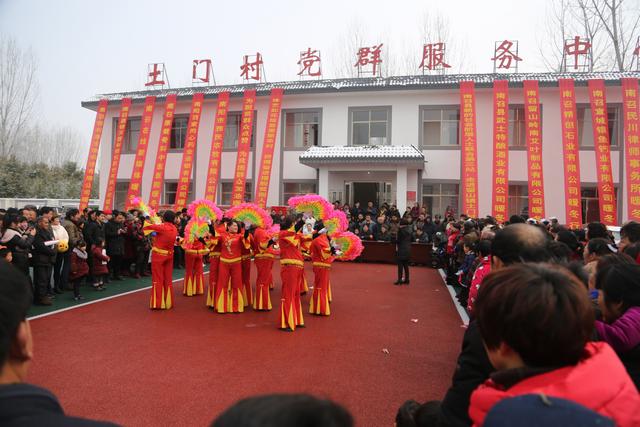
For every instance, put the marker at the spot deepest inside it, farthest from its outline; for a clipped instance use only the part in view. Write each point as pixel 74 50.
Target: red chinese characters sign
pixel 310 63
pixel 534 148
pixel 250 70
pixel 433 57
pixel 469 149
pixel 201 71
pixel 135 183
pixel 506 55
pixel 570 153
pixel 115 154
pixel 161 154
pixel 262 187
pixel 217 141
pixel 631 123
pixel 600 120
pixel 369 56
pixel 182 191
pixel 500 192
pixel 155 76
pixel 90 169
pixel 244 145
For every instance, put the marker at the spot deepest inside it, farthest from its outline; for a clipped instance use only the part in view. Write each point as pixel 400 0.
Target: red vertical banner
pixel 157 179
pixel 600 122
pixel 182 192
pixel 500 193
pixel 273 117
pixel 631 123
pixel 217 141
pixel 115 153
pixel 90 169
pixel 244 145
pixel 570 153
pixel 469 149
pixel 534 148
pixel 135 183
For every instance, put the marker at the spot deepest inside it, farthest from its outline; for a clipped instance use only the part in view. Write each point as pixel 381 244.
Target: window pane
pixel 378 133
pixel 360 133
pixel 431 115
pixel 449 189
pixel 612 112
pixel 450 133
pixel 120 195
pixel 379 115
pixel 311 117
pixel 361 116
pixel 451 114
pixel 585 129
pixel 178 133
pixel 429 189
pixel 431 133
pixel 231 131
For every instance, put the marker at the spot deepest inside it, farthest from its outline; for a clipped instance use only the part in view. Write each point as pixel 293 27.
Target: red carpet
pixel 119 361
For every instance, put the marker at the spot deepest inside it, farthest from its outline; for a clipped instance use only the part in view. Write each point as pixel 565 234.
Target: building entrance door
pixel 365 192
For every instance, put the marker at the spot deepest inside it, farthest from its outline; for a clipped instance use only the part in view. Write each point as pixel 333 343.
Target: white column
pixel 323 182
pixel 401 188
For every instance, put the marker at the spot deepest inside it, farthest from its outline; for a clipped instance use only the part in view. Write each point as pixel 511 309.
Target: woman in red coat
pixel 536 321
pixel 228 292
pixel 321 258
pixel 194 252
pixel 213 243
pixel 162 261
pixel 247 295
pixel 264 257
pixel 292 267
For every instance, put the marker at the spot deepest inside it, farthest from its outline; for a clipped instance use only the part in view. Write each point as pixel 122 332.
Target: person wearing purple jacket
pixel 619 300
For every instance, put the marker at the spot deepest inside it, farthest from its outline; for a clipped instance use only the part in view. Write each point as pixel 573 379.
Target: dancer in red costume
pixel 292 266
pixel 246 268
pixel 213 243
pixel 162 261
pixel 194 252
pixel 228 289
pixel 322 256
pixel 263 258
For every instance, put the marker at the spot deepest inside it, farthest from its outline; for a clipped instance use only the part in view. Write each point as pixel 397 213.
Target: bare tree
pixel 51 145
pixel 611 25
pixel 18 93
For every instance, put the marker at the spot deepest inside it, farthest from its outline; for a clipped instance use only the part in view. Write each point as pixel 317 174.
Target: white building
pixel 381 139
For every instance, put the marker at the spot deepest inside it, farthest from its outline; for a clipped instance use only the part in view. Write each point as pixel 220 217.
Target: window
pixel 518 200
pixel 441 126
pixel 370 126
pixel 131 135
pixel 170 190
pixel 292 189
pixel 179 132
pixel 585 126
pixel 442 199
pixel 517 135
pixel 226 189
pixel 120 195
pixel 232 131
pixel 590 203
pixel 301 129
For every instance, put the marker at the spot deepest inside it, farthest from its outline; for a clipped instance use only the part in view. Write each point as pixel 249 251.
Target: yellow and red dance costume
pixel 162 264
pixel 263 258
pixel 214 264
pixel 228 288
pixel 193 283
pixel 305 247
pixel 246 272
pixel 321 259
pixel 292 268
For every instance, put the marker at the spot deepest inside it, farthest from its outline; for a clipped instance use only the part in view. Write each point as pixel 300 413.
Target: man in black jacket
pixel 515 243
pixel 43 258
pixel 114 232
pixel 22 404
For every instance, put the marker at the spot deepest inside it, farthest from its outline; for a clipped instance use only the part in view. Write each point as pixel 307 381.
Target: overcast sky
pixel 87 47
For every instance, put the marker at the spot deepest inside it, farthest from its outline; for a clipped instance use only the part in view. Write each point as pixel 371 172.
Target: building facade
pixel 395 140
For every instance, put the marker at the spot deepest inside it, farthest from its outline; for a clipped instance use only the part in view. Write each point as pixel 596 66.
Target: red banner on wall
pixel 631 110
pixel 90 169
pixel 469 149
pixel 262 187
pixel 217 141
pixel 500 191
pixel 115 153
pixel 600 124
pixel 534 148
pixel 570 153
pixel 244 145
pixel 161 154
pixel 182 192
pixel 135 183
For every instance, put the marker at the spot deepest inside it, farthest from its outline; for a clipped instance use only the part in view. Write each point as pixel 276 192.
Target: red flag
pixel 244 145
pixel 161 154
pixel 117 150
pixel 217 141
pixel 500 192
pixel 469 149
pixel 534 148
pixel 631 122
pixel 90 169
pixel 135 183
pixel 262 187
pixel 570 153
